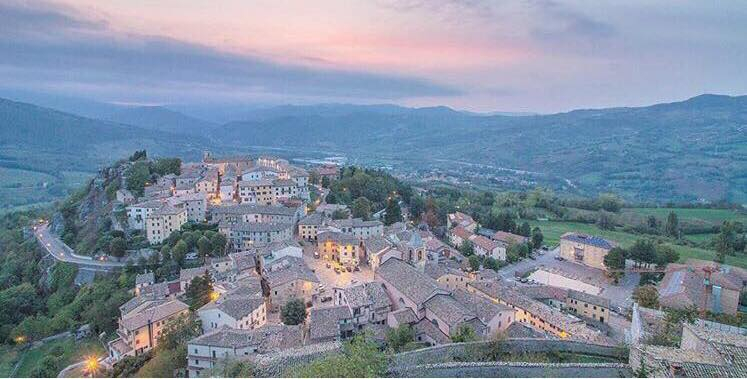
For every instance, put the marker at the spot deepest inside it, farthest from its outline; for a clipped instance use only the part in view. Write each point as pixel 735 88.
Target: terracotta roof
pixel 414 284
pixel 367 294
pixel 324 323
pixel 287 269
pixel 589 298
pixel 450 311
pixel 267 338
pixel 234 305
pixel 484 242
pixel 426 328
pixel 484 308
pixel 404 316
pixel 508 238
pixel 159 312
pixel 461 232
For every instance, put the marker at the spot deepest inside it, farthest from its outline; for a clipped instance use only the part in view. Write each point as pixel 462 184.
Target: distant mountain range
pixel 689 150
pixel 163 119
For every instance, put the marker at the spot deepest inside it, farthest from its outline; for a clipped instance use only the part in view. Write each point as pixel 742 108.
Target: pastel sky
pixel 535 55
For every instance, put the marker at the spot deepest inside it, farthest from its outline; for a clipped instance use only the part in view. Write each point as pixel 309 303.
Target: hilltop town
pixel 277 277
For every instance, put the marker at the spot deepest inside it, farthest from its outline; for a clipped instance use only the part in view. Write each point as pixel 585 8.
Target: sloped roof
pixel 159 312
pixel 446 308
pixel 267 338
pixel 414 284
pixel 287 269
pixel 588 240
pixel 234 305
pixel 324 322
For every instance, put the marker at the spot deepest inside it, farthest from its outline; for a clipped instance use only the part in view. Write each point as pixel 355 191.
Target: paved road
pixel 61 252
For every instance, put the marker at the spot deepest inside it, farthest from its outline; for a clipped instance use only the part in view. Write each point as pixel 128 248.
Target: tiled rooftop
pixel 408 280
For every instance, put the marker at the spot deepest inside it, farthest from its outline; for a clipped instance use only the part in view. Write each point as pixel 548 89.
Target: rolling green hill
pixel 684 151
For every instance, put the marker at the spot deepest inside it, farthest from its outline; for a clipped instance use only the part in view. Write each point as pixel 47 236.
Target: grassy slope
pixel 73 352
pixel 552 230
pixel 710 215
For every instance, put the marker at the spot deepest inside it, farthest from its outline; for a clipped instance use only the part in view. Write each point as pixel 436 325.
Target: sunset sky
pixel 538 56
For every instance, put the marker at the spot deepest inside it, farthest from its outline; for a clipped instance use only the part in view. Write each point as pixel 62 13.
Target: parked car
pixel 357 268
pixel 523 280
pixel 316 254
pixel 337 270
pixel 349 269
pixel 545 248
pixel 326 299
pixel 559 258
pixel 329 265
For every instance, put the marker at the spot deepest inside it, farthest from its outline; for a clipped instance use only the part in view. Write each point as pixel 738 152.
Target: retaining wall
pixel 466 351
pixel 516 369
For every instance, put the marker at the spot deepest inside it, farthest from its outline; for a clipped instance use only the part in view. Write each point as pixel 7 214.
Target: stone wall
pixel 278 364
pixel 466 351
pixel 516 369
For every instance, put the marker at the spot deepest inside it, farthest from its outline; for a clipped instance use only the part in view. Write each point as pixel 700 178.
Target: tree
pixel 467 247
pixel 393 212
pixel 340 214
pixel 325 182
pixel 652 222
pixel 362 208
pixel 397 338
pixel 294 312
pixel 474 262
pixel 665 255
pixel 163 166
pixel 615 259
pixel 360 358
pixel 417 207
pixel 524 229
pixel 609 202
pixel 137 175
pixel 604 221
pixel 537 237
pixel 218 243
pixel 647 296
pixel 491 263
pixel 464 333
pixel 199 291
pixel 118 247
pixel 643 251
pixel 204 247
pixel 179 252
pixel 672 227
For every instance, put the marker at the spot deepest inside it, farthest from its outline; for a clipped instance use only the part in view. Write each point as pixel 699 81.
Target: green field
pixel 698 238
pixel 708 215
pixel 11 177
pixel 70 352
pixel 552 230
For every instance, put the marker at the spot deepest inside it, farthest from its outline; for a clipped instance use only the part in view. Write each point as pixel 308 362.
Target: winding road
pixel 61 252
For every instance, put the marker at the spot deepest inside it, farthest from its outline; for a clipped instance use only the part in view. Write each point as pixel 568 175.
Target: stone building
pixel 585 249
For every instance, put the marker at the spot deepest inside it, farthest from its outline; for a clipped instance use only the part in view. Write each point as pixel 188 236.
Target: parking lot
pixel 620 295
pixel 331 278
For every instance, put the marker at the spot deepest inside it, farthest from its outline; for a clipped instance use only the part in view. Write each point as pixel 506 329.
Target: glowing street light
pixel 20 339
pixel 214 296
pixel 92 364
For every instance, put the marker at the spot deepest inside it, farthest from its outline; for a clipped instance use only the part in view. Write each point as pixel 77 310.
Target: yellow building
pixel 589 306
pixel 164 221
pixel 140 328
pixel 585 249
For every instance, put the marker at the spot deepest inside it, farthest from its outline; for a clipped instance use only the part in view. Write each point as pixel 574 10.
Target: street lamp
pixel 92 364
pixel 20 339
pixel 214 296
